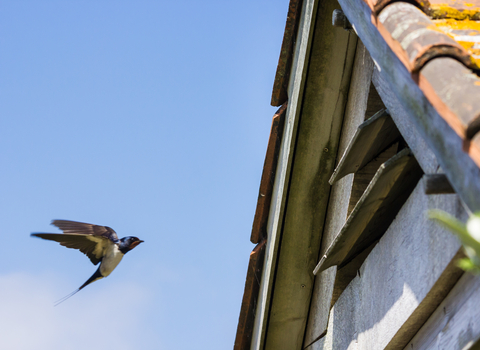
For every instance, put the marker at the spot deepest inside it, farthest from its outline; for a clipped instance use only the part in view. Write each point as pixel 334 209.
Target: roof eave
pixel 412 89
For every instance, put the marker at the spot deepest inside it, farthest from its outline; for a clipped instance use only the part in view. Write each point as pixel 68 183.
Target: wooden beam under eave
pixel 445 143
pixel 376 209
pixel 372 137
pixel 437 184
pixel 324 98
pixel 359 100
pixel 282 177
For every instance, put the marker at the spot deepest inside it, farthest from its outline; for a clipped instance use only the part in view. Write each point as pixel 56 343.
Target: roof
pixel 429 53
pixel 434 74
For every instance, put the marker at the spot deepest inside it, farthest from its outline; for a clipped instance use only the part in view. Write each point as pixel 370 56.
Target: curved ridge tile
pixel 459 89
pixel 381 4
pixel 419 36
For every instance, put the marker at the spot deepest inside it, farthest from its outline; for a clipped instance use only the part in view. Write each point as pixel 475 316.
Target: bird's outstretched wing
pixel 92 240
pixel 75 227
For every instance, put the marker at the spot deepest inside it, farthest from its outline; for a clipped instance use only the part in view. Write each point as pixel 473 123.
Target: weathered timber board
pixel 375 210
pixel 319 344
pixel 437 184
pixel 374 103
pixel 423 153
pixel 362 177
pixel 455 324
pixel 340 193
pixel 315 150
pixel 280 187
pixel 402 281
pixel 371 138
pixel 348 272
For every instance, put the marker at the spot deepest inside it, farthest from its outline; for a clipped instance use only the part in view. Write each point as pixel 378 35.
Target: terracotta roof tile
pixel 459 90
pixel 280 85
pixel 457 9
pixel 418 35
pixel 250 297
pixel 259 228
pixel 259 234
pixel 378 5
pixel 418 41
pixel 466 33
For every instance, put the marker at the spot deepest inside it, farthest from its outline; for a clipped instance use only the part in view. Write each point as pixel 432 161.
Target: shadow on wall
pixel 402 281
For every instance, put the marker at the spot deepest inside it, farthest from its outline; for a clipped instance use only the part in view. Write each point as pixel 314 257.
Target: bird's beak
pixel 134 244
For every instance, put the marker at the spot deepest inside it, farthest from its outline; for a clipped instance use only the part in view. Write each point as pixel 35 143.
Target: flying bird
pixel 100 243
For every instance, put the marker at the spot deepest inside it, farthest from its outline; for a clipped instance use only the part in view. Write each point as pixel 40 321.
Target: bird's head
pixel 128 243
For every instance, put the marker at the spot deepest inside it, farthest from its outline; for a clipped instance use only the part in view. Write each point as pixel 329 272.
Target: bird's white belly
pixel 111 259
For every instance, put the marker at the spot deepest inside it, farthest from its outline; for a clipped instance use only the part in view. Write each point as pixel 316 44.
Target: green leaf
pixel 468 265
pixel 456 226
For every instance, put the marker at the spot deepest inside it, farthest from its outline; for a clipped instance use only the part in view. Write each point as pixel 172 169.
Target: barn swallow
pixel 100 243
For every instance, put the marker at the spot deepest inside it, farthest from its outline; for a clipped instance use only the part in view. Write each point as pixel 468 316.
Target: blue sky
pixel 151 117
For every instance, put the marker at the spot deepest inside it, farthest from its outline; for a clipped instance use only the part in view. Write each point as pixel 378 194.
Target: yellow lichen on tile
pixel 453 24
pixel 475 61
pixel 466 33
pixel 446 11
